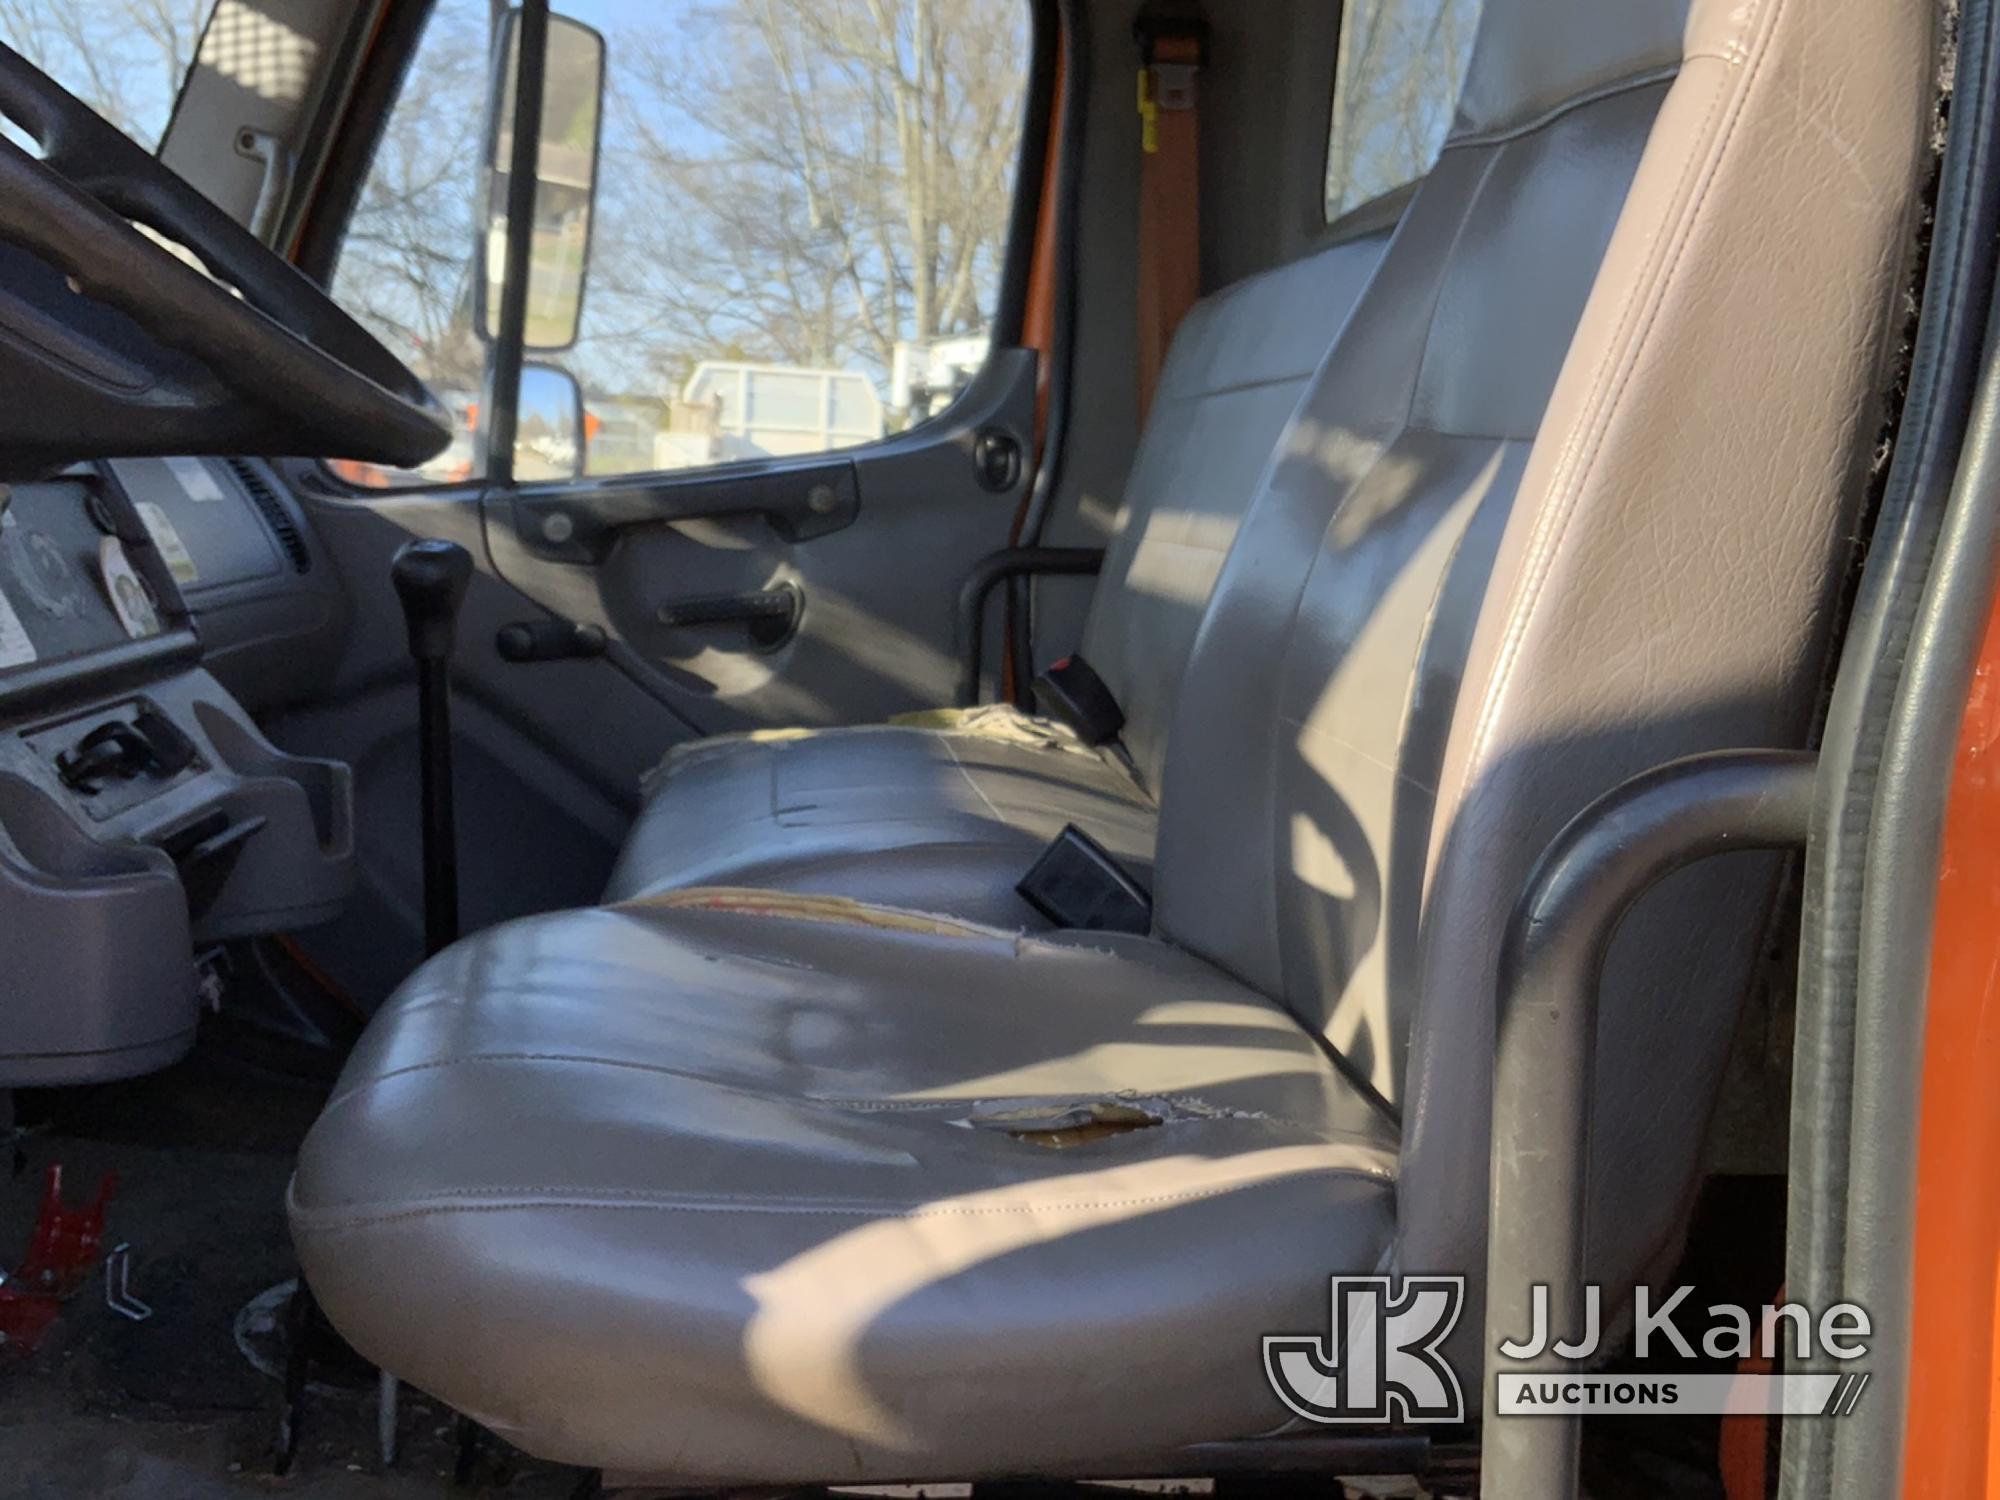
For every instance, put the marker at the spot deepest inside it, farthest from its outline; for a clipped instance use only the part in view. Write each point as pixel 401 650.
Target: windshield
pixel 124 58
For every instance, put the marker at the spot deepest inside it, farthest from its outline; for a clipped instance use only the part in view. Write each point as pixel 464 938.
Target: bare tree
pixel 406 262
pixel 808 181
pixel 796 181
pixel 124 58
pixel 1401 63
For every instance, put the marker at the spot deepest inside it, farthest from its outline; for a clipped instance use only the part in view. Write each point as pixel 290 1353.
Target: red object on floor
pixel 62 1252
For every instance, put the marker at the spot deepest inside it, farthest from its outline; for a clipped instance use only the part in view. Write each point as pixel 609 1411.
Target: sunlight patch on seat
pixel 1318 862
pixel 1354 747
pixel 803 1342
pixel 1165 1066
pixel 1217 1013
pixel 1179 554
pixel 1341 455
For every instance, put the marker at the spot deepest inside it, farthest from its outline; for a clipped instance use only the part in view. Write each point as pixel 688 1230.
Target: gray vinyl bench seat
pixel 948 817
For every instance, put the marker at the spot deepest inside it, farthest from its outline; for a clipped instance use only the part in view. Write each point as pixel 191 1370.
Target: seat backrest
pixel 1572 495
pixel 1234 374
pixel 1322 685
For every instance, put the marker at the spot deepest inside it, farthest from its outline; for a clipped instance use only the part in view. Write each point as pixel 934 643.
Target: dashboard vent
pixel 258 488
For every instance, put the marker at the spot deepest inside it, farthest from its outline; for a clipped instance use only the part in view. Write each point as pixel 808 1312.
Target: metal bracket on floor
pixel 300 1312
pixel 388 1415
pixel 307 1336
pixel 118 1285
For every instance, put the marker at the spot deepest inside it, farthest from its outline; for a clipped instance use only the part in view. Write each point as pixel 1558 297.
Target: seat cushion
pixel 733 1185
pixel 939 816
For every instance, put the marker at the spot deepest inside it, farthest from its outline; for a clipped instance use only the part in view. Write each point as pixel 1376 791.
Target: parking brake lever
pixel 431 576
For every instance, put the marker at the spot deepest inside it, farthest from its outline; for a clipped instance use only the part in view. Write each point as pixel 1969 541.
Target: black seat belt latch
pixel 1076 883
pixel 1072 694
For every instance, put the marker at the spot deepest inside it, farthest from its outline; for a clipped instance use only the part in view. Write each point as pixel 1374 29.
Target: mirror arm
pixel 504 361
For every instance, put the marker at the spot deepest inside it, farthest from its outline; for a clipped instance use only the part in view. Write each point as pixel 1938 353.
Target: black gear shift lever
pixel 430 576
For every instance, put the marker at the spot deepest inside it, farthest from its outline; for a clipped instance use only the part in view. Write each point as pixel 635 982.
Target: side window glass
pixel 793 244
pixel 1395 90
pixel 800 219
pixel 406 263
pixel 124 59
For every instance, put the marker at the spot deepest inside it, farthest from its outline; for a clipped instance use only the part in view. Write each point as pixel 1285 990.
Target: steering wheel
pixel 112 346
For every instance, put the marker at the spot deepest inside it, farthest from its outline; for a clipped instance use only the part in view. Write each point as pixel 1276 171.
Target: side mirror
pixel 565 182
pixel 548 424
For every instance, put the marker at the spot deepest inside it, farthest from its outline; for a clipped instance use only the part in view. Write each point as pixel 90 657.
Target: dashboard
pixel 218 544
pixel 148 608
pixel 78 581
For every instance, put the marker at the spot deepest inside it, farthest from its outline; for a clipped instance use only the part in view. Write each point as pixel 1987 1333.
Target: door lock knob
pixel 997 457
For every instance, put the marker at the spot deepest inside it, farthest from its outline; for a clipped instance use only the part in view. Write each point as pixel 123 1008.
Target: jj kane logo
pixel 1379 1360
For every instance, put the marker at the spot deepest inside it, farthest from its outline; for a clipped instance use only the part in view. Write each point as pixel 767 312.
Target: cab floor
pixel 171 1408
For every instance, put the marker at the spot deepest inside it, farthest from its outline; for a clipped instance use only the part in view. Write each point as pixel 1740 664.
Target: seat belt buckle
pixel 1071 693
pixel 1076 884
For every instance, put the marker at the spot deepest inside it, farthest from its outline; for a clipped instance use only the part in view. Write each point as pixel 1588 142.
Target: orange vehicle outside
pixel 1952 1446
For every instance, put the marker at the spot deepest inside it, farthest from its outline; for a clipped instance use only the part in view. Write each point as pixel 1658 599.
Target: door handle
pixel 271 153
pixel 581 523
pixel 772 614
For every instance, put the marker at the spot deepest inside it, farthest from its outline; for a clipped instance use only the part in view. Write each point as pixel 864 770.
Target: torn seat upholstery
pixel 719 1186
pixel 755 1161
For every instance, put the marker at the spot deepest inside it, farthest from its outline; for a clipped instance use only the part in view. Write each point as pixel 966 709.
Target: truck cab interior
pixel 757 749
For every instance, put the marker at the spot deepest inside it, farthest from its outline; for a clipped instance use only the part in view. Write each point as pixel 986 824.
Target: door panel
pixel 739 462
pixel 875 631
pixel 550 753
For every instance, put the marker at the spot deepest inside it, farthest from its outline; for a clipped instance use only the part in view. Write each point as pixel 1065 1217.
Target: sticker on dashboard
pixel 127 592
pixel 194 477
pixel 16 650
pixel 173 551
